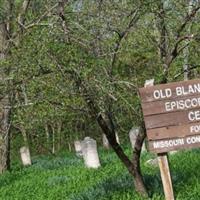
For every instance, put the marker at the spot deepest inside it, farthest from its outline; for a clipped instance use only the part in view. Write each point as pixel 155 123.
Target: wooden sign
pixel 172 115
pixel 163 164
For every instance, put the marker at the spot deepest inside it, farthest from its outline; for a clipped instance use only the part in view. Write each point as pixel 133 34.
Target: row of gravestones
pixel 88 148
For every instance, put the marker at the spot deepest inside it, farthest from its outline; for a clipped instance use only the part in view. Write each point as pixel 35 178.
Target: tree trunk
pixel 6 29
pixel 53 140
pixel 106 124
pixel 5 140
pixel 186 51
pixel 163 41
pixel 138 181
pixel 4 107
pixel 134 166
pixel 47 134
pixel 59 129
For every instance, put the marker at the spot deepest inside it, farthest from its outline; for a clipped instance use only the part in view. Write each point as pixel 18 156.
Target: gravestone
pixel 106 144
pixel 25 156
pixel 78 149
pixel 134 132
pixel 90 154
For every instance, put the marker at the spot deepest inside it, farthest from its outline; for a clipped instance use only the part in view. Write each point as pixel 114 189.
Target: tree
pixel 11 32
pixel 83 62
pixel 99 96
pixel 173 41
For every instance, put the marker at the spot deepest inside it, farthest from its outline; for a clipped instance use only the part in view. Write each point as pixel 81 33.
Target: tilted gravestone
pixel 78 149
pixel 90 154
pixel 25 156
pixel 134 132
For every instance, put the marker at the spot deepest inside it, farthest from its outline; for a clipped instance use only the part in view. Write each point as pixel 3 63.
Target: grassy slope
pixel 65 177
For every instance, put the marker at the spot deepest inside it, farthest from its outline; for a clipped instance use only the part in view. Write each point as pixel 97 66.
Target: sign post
pixel 163 165
pixel 172 115
pixel 172 119
pixel 165 176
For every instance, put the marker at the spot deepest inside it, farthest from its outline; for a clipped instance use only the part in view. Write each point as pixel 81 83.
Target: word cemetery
pixel 172 115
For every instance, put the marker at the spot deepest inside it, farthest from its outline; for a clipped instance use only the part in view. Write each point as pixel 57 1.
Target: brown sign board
pixel 172 115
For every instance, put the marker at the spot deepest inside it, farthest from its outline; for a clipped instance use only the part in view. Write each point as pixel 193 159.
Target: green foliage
pixel 43 60
pixel 113 46
pixel 65 177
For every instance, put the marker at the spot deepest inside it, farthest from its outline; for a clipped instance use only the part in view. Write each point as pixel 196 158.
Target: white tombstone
pixel 78 149
pixel 134 132
pixel 25 156
pixel 106 143
pixel 90 154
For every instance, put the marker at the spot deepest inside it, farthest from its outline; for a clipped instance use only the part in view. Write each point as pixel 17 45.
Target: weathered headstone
pixel 78 149
pixel 90 154
pixel 134 132
pixel 25 156
pixel 106 144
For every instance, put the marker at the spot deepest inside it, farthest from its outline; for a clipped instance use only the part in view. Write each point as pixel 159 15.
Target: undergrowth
pixel 65 178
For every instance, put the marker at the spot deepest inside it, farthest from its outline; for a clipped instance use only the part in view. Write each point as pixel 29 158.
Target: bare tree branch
pixel 41 17
pixel 188 18
pixel 21 16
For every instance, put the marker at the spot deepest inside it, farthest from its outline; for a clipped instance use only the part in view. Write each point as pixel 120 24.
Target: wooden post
pixel 165 176
pixel 164 165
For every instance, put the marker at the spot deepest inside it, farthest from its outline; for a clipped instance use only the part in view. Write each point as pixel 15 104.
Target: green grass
pixel 65 177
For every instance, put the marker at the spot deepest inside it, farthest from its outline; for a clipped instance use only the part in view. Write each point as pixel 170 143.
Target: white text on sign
pixel 180 91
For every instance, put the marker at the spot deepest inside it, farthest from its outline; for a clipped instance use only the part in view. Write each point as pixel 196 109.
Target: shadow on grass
pixel 106 188
pixel 123 183
pixel 183 169
pixel 56 163
pixel 153 184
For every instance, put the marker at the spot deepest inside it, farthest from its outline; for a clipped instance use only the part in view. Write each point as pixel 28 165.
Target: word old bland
pixel 179 91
